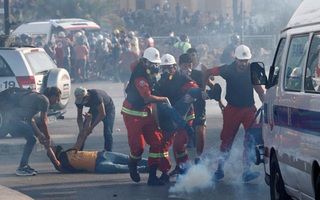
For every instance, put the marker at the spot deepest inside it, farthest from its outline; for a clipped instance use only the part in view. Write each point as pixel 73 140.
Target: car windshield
pixel 40 62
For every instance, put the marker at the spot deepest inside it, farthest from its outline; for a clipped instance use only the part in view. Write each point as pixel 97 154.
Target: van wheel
pixel 3 132
pixel 277 190
pixel 318 188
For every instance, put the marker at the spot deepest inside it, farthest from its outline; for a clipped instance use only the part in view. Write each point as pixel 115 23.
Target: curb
pixel 9 194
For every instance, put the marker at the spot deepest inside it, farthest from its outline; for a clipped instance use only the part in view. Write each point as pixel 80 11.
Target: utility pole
pixel 242 21
pixel 6 18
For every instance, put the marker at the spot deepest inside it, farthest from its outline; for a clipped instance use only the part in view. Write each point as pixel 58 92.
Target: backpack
pixel 11 97
pixel 177 51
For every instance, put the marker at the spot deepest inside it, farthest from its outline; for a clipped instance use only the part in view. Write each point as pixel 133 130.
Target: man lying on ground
pixel 74 160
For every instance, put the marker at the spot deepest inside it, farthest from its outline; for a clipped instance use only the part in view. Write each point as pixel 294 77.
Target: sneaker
pixel 179 170
pixel 25 171
pixel 248 176
pixel 176 171
pixel 197 161
pixel 218 175
pixel 215 92
pixel 165 178
pixel 31 169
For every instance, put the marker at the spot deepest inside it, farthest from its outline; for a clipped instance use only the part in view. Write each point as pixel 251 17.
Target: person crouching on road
pixel 240 108
pixel 24 123
pixel 137 115
pixel 101 107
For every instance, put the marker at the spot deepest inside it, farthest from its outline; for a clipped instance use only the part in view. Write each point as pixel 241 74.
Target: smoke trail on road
pixel 198 177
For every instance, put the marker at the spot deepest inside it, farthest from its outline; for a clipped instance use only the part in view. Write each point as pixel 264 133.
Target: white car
pixel 32 68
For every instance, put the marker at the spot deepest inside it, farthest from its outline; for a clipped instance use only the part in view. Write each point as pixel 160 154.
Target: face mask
pixel 152 69
pixel 167 73
pixel 165 76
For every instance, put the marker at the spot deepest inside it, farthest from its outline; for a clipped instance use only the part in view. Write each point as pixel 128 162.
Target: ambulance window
pixel 312 75
pixel 275 68
pixel 295 62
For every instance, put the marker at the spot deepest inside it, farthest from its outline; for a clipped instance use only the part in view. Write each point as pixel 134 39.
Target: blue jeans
pixel 172 117
pixel 24 129
pixel 108 122
pixel 112 162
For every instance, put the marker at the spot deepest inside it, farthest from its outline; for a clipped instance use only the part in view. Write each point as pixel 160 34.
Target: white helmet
pixel 100 37
pixel 168 59
pixel 297 72
pixel 242 52
pixel 62 34
pixel 131 33
pixel 78 34
pixel 152 54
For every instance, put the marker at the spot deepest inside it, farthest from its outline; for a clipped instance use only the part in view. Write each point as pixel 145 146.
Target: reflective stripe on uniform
pixel 181 154
pixel 164 154
pixel 134 112
pixel 134 157
pixel 190 117
pixel 159 155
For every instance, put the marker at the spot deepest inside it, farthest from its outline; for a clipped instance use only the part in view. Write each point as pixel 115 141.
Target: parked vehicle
pixel 48 29
pixel 32 68
pixel 291 121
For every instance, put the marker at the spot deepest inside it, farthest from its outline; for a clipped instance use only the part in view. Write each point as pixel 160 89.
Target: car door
pixel 7 77
pixel 271 127
pixel 293 103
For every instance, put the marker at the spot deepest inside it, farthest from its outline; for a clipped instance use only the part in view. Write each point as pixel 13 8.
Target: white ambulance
pixel 291 119
pixel 49 29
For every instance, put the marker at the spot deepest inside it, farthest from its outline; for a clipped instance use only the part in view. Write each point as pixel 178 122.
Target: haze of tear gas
pixel 198 177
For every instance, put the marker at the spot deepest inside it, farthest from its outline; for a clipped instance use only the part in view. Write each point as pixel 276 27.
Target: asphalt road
pixel 50 184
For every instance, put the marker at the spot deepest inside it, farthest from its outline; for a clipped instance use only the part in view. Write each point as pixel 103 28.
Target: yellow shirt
pixel 82 160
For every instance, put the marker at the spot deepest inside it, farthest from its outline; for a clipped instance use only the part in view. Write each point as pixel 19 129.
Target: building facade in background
pixel 217 7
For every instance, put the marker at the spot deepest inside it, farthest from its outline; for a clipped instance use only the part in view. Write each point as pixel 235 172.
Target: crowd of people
pixel 91 55
pixel 162 112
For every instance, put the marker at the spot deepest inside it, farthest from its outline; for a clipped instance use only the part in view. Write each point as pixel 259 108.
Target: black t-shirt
pixel 96 98
pixel 196 75
pixel 239 86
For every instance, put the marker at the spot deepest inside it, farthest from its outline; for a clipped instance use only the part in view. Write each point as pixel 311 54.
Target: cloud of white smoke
pixel 198 177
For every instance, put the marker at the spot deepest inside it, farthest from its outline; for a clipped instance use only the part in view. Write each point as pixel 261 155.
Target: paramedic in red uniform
pixel 137 115
pixel 240 108
pixel 175 84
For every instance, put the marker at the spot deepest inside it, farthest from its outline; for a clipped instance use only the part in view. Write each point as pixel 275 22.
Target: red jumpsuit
pixel 179 85
pixel 139 121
